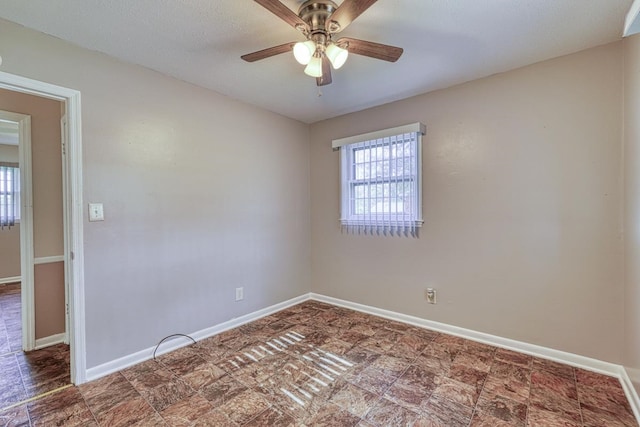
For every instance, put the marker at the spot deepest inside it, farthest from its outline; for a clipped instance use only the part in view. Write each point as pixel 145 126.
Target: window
pixel 381 181
pixel 9 195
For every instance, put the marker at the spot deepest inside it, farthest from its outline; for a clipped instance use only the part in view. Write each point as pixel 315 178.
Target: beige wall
pixel 522 203
pixel 10 252
pixel 49 299
pixel 46 158
pixel 522 207
pixel 632 207
pixel 202 194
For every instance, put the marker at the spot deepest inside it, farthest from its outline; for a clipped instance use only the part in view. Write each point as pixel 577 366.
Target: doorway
pixel 72 177
pixel 10 247
pixel 15 157
pixel 32 309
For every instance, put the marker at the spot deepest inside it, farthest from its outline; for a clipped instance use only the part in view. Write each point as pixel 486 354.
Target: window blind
pixel 9 196
pixel 381 182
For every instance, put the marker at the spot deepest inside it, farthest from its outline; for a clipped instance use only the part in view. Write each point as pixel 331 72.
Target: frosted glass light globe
pixel 303 52
pixel 337 55
pixel 314 69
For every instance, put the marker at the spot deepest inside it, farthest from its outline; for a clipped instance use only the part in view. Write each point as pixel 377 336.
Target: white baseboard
pixel 629 377
pixel 7 280
pixel 522 347
pixel 50 340
pixel 587 363
pixel 634 376
pixel 146 354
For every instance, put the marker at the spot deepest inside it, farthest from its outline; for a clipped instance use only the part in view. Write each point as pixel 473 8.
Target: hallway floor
pixel 319 365
pixel 25 375
pixel 10 322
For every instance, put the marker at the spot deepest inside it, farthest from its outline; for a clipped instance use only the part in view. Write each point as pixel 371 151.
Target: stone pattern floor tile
pixel 25 375
pixel 10 318
pixel 314 364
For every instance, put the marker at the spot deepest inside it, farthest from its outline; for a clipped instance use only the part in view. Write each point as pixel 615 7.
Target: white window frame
pixel 392 223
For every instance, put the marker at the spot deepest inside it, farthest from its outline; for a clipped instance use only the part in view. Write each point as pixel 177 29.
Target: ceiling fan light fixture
pixel 320 21
pixel 303 51
pixel 314 69
pixel 337 55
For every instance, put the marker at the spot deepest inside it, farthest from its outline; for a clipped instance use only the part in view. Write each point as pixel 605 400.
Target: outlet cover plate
pixel 430 295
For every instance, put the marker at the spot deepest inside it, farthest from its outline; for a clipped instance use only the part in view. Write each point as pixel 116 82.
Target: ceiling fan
pixel 319 21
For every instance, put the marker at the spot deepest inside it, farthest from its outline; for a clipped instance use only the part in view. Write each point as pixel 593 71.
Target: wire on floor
pixel 168 337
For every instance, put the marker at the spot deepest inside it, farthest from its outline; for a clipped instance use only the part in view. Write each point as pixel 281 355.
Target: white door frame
pixel 26 226
pixel 65 220
pixel 74 252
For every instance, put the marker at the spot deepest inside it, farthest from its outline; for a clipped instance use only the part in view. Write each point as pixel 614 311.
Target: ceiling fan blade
pixel 346 13
pixel 283 12
pixel 326 72
pixel 268 52
pixel 371 49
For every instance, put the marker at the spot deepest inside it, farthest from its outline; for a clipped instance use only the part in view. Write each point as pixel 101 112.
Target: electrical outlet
pixel 430 295
pixel 239 294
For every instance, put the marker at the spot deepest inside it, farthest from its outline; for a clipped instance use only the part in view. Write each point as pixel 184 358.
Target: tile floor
pixel 25 375
pixel 320 365
pixel 10 322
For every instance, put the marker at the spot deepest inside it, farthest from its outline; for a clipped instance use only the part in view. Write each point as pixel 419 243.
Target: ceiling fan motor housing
pixel 316 13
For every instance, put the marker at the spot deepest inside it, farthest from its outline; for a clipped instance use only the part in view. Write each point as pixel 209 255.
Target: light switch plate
pixel 96 212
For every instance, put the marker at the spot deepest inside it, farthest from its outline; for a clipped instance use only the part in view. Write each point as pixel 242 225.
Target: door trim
pixel 74 204
pixel 65 220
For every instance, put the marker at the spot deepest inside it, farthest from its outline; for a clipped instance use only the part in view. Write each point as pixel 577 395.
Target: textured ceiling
pixel 445 41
